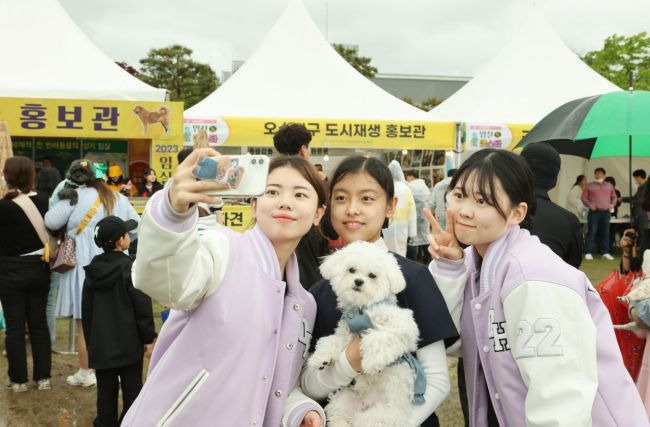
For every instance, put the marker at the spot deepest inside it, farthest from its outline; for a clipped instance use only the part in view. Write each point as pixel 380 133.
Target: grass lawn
pixel 599 268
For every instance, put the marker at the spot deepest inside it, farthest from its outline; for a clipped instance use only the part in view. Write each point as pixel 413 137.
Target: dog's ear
pixel 395 276
pixel 330 265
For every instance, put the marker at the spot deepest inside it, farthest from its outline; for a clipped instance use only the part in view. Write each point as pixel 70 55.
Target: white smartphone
pixel 243 175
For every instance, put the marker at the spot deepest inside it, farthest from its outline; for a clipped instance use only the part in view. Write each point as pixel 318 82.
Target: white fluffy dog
pixel 365 279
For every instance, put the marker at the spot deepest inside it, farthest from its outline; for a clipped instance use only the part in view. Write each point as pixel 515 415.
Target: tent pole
pixel 632 204
pixel 458 144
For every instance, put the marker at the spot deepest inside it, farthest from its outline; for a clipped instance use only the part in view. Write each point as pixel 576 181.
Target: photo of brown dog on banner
pixel 162 116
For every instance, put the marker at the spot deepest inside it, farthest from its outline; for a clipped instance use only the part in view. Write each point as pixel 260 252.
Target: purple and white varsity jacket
pixel 231 352
pixel 536 339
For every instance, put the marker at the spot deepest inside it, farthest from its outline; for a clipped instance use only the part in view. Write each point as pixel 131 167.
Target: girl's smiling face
pixel 477 221
pixel 289 206
pixel 359 207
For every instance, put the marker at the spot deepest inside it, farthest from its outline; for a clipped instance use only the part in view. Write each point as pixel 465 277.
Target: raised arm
pixel 175 265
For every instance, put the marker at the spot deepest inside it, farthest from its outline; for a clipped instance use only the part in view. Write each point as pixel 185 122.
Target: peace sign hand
pixel 443 243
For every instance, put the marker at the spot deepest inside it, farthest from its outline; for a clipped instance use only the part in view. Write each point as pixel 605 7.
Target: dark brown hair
pixel 20 174
pixel 490 167
pixel 306 170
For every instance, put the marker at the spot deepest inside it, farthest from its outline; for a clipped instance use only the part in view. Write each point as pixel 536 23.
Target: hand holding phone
pixel 185 190
pixel 233 175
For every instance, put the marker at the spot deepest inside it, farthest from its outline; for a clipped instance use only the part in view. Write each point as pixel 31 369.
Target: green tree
pixel 429 103
pixel 425 105
pixel 621 55
pixel 174 69
pixel 360 63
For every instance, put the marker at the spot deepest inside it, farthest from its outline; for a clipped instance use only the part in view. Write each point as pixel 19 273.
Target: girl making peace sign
pixel 537 342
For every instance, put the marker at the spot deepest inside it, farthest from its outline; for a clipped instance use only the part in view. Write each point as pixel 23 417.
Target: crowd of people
pixel 33 296
pixel 489 261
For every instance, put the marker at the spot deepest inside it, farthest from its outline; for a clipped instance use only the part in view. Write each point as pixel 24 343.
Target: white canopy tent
pixel 532 75
pixel 45 55
pixel 295 74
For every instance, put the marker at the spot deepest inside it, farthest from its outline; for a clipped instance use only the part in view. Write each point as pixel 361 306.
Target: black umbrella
pixel 613 124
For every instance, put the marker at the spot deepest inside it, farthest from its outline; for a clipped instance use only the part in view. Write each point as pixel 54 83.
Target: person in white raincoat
pixel 403 224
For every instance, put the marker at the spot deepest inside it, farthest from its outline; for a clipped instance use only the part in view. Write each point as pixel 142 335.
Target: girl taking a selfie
pixel 537 342
pixel 231 351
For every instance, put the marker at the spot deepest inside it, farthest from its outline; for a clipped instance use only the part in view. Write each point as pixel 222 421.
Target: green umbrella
pixel 613 124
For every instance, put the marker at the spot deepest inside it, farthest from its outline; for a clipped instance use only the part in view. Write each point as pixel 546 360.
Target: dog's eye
pixel 372 275
pixel 352 270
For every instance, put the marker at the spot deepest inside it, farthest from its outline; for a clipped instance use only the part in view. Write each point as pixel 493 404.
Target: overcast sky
pixel 433 37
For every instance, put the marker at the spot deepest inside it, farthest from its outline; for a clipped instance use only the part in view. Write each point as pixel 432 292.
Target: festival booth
pixel 531 76
pixel 63 98
pixel 294 75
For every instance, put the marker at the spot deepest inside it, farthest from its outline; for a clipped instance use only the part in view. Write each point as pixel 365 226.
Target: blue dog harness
pixel 359 322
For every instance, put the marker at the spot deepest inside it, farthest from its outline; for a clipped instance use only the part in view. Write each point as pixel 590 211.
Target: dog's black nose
pixel 358 283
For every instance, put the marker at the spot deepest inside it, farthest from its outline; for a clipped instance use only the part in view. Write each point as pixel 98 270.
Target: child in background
pixel 117 319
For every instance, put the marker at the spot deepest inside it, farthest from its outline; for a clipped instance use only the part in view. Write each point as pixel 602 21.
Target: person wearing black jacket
pixel 117 321
pixel 555 226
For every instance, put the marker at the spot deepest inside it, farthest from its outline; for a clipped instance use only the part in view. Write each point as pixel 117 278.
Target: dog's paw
pixel 379 350
pixel 326 351
pixel 318 363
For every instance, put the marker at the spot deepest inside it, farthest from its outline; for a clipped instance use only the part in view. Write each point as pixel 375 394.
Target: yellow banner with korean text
pixel 330 133
pixel 164 157
pixel 476 136
pixel 238 217
pixel 103 119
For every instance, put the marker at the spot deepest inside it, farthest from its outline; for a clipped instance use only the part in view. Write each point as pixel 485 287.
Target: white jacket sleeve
pixel 433 360
pixel 553 341
pixel 297 406
pixel 175 265
pixel 451 277
pixel 319 383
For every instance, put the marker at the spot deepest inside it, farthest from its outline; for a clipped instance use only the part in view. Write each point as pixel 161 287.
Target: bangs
pixel 481 178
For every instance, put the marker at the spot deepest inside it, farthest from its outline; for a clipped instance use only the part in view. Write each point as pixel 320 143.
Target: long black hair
pixel 489 166
pixel 375 168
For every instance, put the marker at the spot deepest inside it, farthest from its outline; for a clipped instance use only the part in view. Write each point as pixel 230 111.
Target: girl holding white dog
pixel 231 352
pixel 537 342
pixel 361 202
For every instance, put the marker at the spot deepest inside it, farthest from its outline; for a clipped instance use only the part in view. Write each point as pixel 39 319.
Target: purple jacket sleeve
pixel 298 414
pixel 160 208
